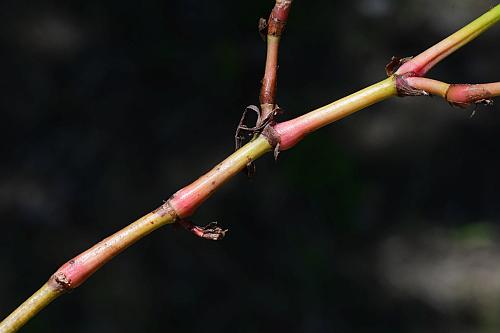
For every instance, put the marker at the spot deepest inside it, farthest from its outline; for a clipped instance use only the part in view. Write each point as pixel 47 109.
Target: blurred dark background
pixel 387 221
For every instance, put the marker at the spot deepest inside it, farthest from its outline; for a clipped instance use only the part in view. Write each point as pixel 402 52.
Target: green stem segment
pixel 37 302
pixel 422 63
pixel 292 131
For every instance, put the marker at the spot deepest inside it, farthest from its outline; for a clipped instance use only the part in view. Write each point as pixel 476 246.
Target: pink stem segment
pixel 73 273
pixel 472 93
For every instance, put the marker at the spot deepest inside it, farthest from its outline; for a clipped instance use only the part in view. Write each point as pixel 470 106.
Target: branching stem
pixel 184 202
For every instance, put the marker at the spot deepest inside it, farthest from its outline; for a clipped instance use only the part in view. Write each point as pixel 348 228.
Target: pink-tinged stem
pixel 186 200
pixel 422 63
pixel 292 131
pixel 73 273
pixel 458 94
pixel 466 94
pixel 270 79
pixel 275 27
pixel 183 203
pixel 77 270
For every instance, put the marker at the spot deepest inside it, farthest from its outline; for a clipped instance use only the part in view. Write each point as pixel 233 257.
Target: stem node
pixel 60 281
pixel 406 89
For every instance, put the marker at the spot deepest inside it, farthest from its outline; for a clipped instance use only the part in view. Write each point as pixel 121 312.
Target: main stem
pixel 184 202
pixel 293 131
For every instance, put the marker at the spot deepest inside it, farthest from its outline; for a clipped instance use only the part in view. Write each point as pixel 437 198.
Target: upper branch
pixel 275 27
pixel 423 62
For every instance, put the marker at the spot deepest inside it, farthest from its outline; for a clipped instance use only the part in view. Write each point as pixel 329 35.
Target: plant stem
pixel 423 62
pixel 269 82
pixel 73 273
pixel 37 302
pixel 431 86
pixel 458 94
pixel 292 131
pixel 185 201
pixel 275 27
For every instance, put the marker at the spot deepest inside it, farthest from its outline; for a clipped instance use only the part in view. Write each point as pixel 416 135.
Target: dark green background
pixel 386 221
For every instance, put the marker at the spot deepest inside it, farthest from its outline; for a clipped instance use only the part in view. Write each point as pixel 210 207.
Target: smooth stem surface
pixel 422 63
pixel 185 201
pixel 493 88
pixel 269 82
pixel 38 301
pixel 73 273
pixel 275 27
pixel 77 270
pixel 431 86
pixel 292 131
pixel 460 94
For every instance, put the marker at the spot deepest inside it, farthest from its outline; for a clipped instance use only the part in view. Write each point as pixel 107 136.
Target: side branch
pixel 275 27
pixel 457 94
